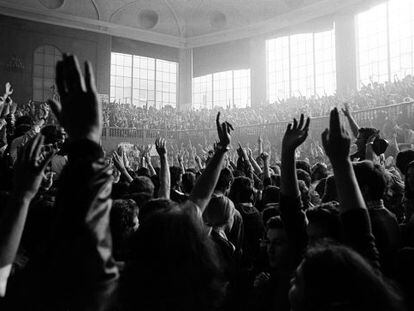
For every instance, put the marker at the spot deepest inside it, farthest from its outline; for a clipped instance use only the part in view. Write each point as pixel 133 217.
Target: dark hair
pixel 409 193
pixel 303 165
pixel 176 174
pixel 225 180
pixel 153 206
pixel 270 194
pixel 188 182
pixel 173 263
pixel 330 193
pixel 326 216
pixel 242 190
pixel 319 171
pixel 269 213
pixel 142 184
pixel 23 120
pixel 367 132
pixel 122 224
pixel 52 134
pixel 338 278
pixel 303 175
pixel 274 223
pixel 119 190
pixel 403 159
pixel 372 177
pixel 143 171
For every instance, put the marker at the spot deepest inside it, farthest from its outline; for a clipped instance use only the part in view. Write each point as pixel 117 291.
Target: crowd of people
pixel 81 229
pixel 369 96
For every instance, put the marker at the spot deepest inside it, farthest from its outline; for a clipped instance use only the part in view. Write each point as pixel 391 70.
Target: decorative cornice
pixel 60 19
pixel 265 28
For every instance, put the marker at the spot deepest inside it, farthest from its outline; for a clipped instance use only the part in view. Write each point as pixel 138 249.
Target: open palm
pixel 296 133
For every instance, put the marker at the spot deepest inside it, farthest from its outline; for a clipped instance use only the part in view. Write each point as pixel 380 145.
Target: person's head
pixel 224 182
pixel 304 176
pixel 303 165
pixel 371 180
pixel 119 190
pixel 409 181
pixel 364 133
pixel 324 222
pixel 330 193
pixel 219 212
pixel 277 243
pixel 142 184
pixel 176 176
pixel 319 171
pixel 173 263
pixel 23 120
pixel 123 222
pixel 52 134
pixel 188 182
pixel 270 195
pixel 334 278
pixel 143 171
pixel 403 159
pixel 242 190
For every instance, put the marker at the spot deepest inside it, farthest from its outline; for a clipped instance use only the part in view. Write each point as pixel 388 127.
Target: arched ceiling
pixel 185 22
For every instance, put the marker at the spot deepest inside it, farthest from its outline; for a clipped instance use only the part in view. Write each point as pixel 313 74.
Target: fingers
pixel 33 149
pixel 230 127
pixel 301 120
pixel 89 78
pixel 295 124
pixel 324 138
pixel 218 122
pixel 60 80
pixel 47 161
pixel 73 75
pixel 334 123
pixel 56 109
pixel 306 128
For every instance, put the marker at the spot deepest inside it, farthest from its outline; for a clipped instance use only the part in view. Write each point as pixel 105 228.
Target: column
pixel 185 80
pixel 346 53
pixel 258 70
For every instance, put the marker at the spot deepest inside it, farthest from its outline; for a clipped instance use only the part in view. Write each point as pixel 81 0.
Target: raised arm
pixel 354 214
pixel 165 178
pixel 28 175
pixel 205 185
pixel 352 123
pixel 336 142
pixel 253 162
pixel 120 166
pixel 295 135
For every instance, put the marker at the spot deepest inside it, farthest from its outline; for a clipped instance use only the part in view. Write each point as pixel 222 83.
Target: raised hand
pixel 30 166
pixel 346 110
pixel 118 162
pixel 296 133
pixel 9 90
pixel 336 140
pixel 79 111
pixel 160 145
pixel 223 130
pixel 264 156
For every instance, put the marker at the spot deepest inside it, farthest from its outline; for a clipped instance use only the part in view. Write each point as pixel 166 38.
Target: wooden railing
pixel 374 117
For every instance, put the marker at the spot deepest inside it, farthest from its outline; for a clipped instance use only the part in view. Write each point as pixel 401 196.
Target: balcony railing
pixel 374 117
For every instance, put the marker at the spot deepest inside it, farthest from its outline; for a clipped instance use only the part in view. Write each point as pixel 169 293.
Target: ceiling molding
pixel 60 19
pixel 265 28
pixel 180 23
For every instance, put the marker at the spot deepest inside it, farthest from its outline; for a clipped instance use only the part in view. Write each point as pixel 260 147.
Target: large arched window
pixel 44 64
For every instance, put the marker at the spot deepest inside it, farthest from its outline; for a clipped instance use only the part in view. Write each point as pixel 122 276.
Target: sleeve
pixel 294 221
pixel 358 235
pixel 81 272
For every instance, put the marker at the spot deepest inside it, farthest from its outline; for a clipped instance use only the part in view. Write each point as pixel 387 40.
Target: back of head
pixel 304 176
pixel 366 132
pixel 23 120
pixel 242 190
pixel 218 211
pixel 188 182
pixel 325 218
pixel 270 195
pixel 143 171
pixel 176 176
pixel 173 263
pixel 338 278
pixel 303 165
pixel 371 179
pixel 225 180
pixel 403 159
pixel 319 171
pixel 51 133
pixel 142 184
